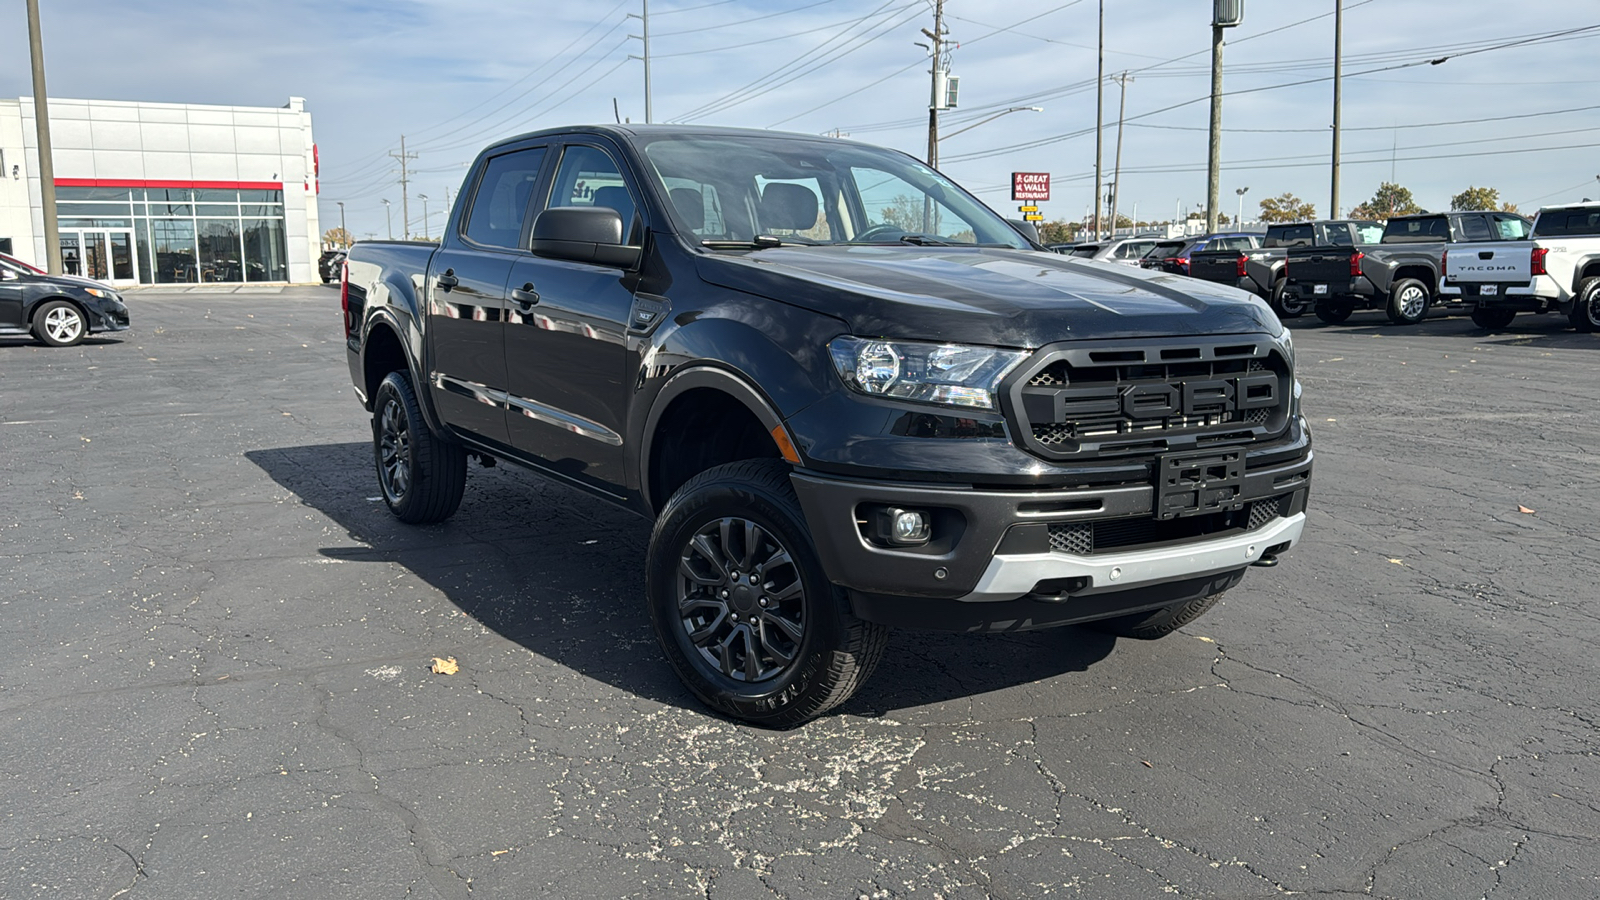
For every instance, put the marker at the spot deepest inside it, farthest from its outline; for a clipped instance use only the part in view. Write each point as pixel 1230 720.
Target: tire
pixel 421 477
pixel 1156 624
pixel 798 650
pixel 1585 315
pixel 1285 306
pixel 1409 300
pixel 59 323
pixel 1491 318
pixel 1333 314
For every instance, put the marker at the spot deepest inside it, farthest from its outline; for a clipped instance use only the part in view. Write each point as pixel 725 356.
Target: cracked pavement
pixel 214 650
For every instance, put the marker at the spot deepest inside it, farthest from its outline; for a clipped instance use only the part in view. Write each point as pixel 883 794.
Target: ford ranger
pixel 849 395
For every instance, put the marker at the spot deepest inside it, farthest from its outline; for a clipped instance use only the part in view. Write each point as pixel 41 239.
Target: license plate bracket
pixel 1193 484
pixel 1488 290
pixel 1319 289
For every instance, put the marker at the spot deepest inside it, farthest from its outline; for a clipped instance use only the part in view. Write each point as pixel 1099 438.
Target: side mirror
pixel 582 234
pixel 1025 228
pixel 7 275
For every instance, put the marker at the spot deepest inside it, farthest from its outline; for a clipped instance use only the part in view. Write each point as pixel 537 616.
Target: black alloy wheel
pixel 1285 304
pixel 1586 305
pixel 1409 300
pixel 740 600
pixel 1492 318
pixel 741 606
pixel 421 476
pixel 1332 314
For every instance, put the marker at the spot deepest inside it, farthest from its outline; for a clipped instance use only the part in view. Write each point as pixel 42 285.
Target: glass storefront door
pixel 102 254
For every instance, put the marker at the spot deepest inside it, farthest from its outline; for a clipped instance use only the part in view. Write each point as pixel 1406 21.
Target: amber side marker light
pixel 780 436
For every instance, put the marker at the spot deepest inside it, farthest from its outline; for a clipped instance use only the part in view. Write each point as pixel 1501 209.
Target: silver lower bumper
pixel 1011 577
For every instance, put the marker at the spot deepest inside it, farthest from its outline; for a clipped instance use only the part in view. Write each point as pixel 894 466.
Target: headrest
pixel 617 198
pixel 788 206
pixel 691 205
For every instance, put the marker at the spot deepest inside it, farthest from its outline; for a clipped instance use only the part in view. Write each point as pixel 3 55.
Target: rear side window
pixel 501 204
pixel 1413 231
pixel 1164 250
pixel 1232 243
pixel 1567 223
pixel 1370 232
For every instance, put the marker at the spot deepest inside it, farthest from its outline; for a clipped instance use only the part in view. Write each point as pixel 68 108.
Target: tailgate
pixel 1325 265
pixel 1503 263
pixel 1221 266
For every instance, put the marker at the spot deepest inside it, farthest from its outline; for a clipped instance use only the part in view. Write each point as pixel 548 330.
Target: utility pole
pixel 405 201
pixel 425 229
pixel 940 73
pixel 1116 177
pixel 643 16
pixel 47 166
pixel 1338 74
pixel 1099 118
pixel 1224 14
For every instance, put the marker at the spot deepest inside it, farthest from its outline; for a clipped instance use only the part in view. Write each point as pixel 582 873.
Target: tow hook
pixel 1266 562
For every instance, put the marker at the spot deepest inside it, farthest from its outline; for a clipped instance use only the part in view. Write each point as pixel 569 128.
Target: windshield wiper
pixel 761 242
pixel 922 240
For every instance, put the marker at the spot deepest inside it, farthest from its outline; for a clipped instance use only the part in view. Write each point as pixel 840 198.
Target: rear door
pixel 566 341
pixel 467 295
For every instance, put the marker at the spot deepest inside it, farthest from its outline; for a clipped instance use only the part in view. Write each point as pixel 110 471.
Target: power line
pixel 745 21
pixel 1552 112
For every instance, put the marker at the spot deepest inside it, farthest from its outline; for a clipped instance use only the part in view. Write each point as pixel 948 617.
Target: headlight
pixel 102 293
pixel 946 374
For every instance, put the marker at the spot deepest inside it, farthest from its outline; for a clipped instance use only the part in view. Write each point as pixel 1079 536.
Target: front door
pixel 567 353
pixel 102 254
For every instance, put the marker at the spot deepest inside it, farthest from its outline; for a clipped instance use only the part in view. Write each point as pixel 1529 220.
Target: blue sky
pixel 453 76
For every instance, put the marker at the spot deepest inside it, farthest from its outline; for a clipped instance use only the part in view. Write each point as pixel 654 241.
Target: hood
pixel 1004 298
pixel 74 281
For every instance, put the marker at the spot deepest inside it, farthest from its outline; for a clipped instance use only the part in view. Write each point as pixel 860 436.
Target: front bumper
pixel 108 315
pixel 991 547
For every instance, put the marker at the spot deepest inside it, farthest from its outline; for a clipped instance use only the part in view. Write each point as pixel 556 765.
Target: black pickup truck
pixel 849 395
pixel 1401 274
pixel 1260 271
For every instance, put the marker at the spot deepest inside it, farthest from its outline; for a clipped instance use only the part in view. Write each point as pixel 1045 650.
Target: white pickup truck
pixel 1556 270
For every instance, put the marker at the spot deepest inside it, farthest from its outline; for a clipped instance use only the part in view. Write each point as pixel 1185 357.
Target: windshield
pixel 1290 236
pixel 1567 222
pixel 1415 231
pixel 733 188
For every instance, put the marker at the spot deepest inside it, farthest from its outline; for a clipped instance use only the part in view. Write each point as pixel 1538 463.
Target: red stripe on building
pixel 198 185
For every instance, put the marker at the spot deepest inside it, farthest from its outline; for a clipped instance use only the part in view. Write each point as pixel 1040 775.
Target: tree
pixel 1479 198
pixel 1058 232
pixel 337 237
pixel 1286 207
pixel 1390 200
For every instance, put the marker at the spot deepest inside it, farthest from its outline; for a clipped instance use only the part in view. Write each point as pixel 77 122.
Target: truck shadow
pixel 561 574
pixel 1545 331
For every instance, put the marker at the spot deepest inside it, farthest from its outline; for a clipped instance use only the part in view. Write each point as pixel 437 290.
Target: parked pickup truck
pixel 849 395
pixel 1173 255
pixel 1557 271
pixel 1400 275
pixel 1260 271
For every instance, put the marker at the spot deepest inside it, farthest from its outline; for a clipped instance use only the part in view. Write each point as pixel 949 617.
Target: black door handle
pixel 525 296
pixel 448 280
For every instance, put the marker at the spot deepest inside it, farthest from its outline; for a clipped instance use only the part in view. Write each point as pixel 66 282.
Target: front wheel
pixel 1491 318
pixel 422 477
pixel 1408 301
pixel 59 323
pixel 741 606
pixel 1585 314
pixel 1333 314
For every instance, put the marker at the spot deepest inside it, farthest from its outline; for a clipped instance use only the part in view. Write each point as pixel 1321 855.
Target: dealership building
pixel 165 193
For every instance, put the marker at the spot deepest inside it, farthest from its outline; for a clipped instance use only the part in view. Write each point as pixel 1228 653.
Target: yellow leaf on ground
pixel 1524 509
pixel 1398 562
pixel 447 666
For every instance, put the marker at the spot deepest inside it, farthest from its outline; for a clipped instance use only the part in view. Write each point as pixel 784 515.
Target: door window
pixel 589 177
pixel 500 206
pixel 1474 228
pixel 1510 228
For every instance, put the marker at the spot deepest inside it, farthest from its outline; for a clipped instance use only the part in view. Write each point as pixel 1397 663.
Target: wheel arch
pixel 33 309
pixel 1588 267
pixel 730 419
pixel 1422 273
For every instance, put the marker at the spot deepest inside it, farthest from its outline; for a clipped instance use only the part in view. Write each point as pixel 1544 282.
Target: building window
pixel 188 235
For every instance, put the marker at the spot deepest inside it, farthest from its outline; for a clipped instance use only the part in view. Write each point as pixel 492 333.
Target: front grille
pixel 1089 538
pixel 1151 397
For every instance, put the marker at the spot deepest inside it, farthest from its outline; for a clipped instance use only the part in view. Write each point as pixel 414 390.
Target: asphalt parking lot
pixel 215 649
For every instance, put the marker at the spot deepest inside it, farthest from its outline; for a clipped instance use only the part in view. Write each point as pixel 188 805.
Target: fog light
pixel 902 527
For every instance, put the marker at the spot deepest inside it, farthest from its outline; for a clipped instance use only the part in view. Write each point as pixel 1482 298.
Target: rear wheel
pixel 1285 304
pixel 422 477
pixel 741 606
pixel 59 323
pixel 1408 301
pixel 1333 313
pixel 1492 318
pixel 1585 314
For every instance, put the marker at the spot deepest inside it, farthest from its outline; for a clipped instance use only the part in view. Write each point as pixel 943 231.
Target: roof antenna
pixel 615 112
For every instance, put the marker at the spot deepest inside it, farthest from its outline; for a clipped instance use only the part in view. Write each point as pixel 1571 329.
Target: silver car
pixel 1123 250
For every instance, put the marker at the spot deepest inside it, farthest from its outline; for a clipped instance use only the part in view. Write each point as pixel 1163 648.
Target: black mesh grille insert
pixel 1089 538
pixel 1152 398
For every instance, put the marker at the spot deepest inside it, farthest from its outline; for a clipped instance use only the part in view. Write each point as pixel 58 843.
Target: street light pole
pixel 47 166
pixel 388 219
pixel 425 231
pixel 992 118
pixel 344 236
pixel 1099 108
pixel 1241 192
pixel 1116 169
pixel 1338 78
